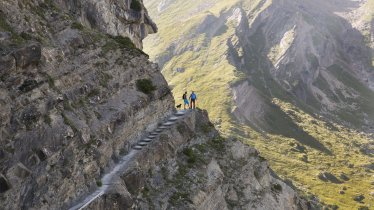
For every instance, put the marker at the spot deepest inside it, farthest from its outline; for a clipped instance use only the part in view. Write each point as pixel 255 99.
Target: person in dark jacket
pixel 185 100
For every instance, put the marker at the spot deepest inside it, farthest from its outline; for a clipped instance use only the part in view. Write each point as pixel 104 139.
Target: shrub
pixel 136 5
pixel 191 156
pixel 276 188
pixel 77 26
pixel 145 86
pixel 116 42
pixel 99 183
pixel 124 42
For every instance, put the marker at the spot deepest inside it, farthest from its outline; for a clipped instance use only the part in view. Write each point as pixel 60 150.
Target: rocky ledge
pixel 190 166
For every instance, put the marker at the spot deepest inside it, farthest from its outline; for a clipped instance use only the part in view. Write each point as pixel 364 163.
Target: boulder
pixel 28 55
pixel 5 36
pixel 359 198
pixel 4 184
pixel 7 64
pixel 329 177
pixel 2 154
pixel 19 171
pixel 134 181
pixel 344 177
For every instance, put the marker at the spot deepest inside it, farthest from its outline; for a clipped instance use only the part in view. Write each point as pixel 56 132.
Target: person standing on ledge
pixel 193 99
pixel 185 100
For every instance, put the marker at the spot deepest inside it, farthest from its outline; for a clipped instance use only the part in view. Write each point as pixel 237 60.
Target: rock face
pixel 189 166
pixel 118 18
pixel 69 103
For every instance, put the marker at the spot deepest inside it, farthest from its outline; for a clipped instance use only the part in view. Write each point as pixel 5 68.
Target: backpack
pixel 184 96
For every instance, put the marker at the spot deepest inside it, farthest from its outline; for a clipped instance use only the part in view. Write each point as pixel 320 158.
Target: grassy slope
pixel 207 70
pixel 343 142
pixel 210 75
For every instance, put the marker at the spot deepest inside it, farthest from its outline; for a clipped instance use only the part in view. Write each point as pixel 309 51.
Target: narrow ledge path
pixel 109 178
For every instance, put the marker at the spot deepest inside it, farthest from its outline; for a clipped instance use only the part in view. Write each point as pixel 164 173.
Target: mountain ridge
pixel 261 66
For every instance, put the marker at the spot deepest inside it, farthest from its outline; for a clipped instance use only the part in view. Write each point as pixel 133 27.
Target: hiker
pixel 185 100
pixel 193 99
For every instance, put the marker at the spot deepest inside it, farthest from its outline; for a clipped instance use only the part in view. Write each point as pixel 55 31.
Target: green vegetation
pixel 26 36
pixel 124 42
pixel 68 122
pixel 145 86
pixel 93 93
pixel 207 128
pixel 6 27
pixel 99 183
pixel 67 106
pixel 289 164
pixel 136 5
pixel 192 158
pixel 104 79
pixel 47 119
pixel 178 197
pixel 276 188
pixel 117 42
pixel 3 23
pixel 77 26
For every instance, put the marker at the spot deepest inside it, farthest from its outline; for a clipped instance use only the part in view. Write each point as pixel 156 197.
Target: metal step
pixel 180 113
pixel 146 140
pixel 169 123
pixel 137 147
pixel 142 144
pixel 173 118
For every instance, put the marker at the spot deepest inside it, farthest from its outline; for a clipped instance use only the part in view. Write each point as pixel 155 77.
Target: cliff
pixel 71 96
pixel 81 109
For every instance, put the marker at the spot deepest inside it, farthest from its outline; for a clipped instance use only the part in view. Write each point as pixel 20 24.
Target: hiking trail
pixel 109 178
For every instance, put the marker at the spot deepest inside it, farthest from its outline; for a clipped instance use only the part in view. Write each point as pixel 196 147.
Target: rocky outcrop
pixel 70 101
pixel 118 18
pixel 189 166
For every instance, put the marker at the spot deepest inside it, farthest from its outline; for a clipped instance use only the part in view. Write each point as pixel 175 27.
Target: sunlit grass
pixel 344 144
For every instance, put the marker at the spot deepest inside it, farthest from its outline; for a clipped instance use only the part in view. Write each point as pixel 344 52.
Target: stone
pixel 7 65
pixel 329 177
pixel 134 181
pixel 4 185
pixel 180 70
pixel 344 177
pixel 359 198
pixel 5 36
pixel 341 192
pixel 22 171
pixel 2 154
pixel 28 55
